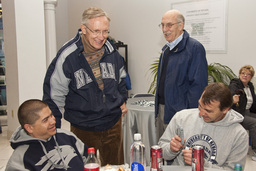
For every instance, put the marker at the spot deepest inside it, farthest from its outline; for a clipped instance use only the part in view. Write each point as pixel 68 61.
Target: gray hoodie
pixel 225 142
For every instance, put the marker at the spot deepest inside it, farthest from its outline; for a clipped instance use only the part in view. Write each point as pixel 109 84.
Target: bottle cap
pixel 238 167
pixel 91 150
pixel 137 136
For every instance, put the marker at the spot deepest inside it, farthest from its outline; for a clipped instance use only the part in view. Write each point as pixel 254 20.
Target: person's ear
pixel 83 28
pixel 28 128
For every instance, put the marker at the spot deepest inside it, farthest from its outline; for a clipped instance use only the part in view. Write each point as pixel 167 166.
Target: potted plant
pixel 216 73
pixel 153 68
pixel 220 73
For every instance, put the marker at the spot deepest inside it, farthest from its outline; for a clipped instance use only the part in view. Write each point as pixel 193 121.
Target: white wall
pixel 24 49
pixel 136 24
pixel 133 22
pixel 62 23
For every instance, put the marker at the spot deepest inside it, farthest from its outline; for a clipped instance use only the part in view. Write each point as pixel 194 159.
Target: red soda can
pixel 198 158
pixel 156 158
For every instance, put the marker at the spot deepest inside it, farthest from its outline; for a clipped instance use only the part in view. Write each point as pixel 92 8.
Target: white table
pixel 139 119
pixel 183 168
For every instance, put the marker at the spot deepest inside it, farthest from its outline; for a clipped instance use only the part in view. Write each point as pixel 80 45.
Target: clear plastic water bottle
pixel 91 163
pixel 238 167
pixel 138 154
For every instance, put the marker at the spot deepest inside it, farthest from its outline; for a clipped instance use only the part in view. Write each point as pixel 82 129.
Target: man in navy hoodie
pixel 38 145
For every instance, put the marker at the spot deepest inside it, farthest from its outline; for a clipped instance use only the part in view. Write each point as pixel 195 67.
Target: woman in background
pixel 244 100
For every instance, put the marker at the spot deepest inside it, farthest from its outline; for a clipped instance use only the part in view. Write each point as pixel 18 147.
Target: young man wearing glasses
pixel 182 70
pixel 87 78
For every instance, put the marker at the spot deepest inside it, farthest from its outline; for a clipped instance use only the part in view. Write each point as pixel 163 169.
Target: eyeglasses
pixel 168 25
pixel 246 74
pixel 98 32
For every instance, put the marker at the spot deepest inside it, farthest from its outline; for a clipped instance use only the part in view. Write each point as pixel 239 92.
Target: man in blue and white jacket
pixel 87 79
pixel 39 146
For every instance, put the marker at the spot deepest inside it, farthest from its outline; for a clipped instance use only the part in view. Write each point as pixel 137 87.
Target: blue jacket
pixel 186 76
pixel 63 151
pixel 70 83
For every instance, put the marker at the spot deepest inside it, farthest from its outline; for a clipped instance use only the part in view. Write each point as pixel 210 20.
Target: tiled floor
pixel 6 150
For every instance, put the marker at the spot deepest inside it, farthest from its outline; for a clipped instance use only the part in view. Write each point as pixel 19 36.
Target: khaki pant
pixel 160 125
pixel 109 143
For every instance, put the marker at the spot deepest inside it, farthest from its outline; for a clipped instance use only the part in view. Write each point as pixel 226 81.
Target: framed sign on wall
pixel 206 21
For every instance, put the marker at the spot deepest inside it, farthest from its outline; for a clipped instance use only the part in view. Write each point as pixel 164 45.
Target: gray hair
pixel 93 12
pixel 180 18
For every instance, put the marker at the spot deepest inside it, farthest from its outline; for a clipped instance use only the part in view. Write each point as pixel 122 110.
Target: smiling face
pixel 171 27
pixel 245 76
pixel 211 112
pixel 44 127
pixel 98 24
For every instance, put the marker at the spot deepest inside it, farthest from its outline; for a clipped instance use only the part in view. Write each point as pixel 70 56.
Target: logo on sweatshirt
pixel 83 78
pixel 210 147
pixel 57 158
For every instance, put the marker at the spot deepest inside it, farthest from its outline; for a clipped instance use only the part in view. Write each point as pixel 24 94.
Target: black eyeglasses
pixel 98 32
pixel 168 25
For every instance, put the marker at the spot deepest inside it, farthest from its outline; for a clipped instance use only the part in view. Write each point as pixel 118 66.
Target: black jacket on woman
pixel 236 84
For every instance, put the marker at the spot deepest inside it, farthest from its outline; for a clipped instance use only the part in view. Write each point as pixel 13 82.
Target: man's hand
pixel 124 109
pixel 175 144
pixel 187 153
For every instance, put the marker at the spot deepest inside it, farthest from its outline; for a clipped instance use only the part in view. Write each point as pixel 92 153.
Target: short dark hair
pixel 218 92
pixel 28 111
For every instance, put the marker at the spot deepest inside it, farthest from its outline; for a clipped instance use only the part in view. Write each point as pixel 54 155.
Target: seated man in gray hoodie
pixel 38 145
pixel 213 125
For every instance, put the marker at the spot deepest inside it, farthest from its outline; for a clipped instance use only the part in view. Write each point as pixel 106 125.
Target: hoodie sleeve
pixel 16 162
pixel 81 147
pixel 165 140
pixel 56 87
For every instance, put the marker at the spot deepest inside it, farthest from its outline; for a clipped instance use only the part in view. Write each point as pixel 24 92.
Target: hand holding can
pixel 187 154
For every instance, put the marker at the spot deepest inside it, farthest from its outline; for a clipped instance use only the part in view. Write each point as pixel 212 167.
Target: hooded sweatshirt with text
pixel 63 151
pixel 225 142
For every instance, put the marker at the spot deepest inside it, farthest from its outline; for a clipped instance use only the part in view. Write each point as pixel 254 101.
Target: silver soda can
pixel 198 158
pixel 156 158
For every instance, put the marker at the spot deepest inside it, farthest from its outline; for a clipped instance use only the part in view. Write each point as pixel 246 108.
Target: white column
pixel 50 30
pixel 24 49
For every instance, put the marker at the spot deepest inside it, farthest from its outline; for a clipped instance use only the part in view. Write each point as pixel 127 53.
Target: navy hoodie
pixel 63 151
